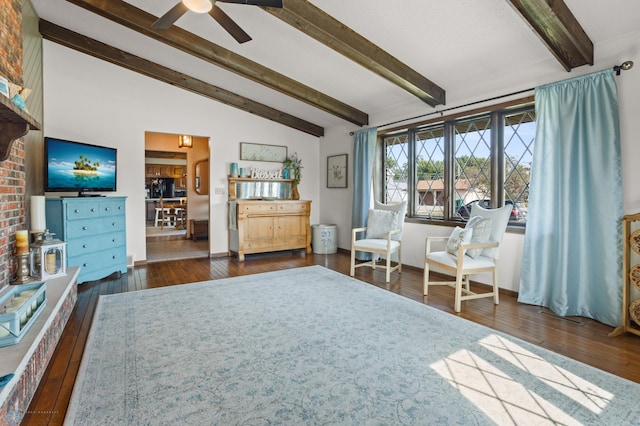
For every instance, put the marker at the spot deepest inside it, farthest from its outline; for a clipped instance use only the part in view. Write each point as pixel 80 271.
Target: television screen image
pixel 75 166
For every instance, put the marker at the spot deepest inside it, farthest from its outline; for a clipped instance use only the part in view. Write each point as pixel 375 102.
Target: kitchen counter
pixel 164 200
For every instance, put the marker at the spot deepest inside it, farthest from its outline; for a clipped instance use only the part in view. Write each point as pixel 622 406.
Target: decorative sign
pixel 259 152
pixel 266 174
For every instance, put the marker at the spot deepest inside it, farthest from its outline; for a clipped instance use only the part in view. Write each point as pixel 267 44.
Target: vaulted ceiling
pixel 318 63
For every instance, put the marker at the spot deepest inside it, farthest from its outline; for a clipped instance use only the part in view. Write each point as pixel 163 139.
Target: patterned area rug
pixel 312 346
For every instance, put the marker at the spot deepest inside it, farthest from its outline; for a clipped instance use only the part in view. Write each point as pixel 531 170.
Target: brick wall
pixel 12 171
pixel 11 40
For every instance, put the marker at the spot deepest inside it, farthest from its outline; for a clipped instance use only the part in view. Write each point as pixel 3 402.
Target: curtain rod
pixel 626 65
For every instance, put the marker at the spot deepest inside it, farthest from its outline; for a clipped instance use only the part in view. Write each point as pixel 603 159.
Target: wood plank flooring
pixel 578 338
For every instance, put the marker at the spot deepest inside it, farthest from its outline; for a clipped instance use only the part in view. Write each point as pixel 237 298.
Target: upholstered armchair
pixel 471 250
pixel 383 236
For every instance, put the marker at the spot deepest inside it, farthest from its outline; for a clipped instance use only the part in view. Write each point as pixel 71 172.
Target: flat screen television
pixel 76 166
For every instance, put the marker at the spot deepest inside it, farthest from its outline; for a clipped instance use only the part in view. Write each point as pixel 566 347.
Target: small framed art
pixel 259 152
pixel 337 171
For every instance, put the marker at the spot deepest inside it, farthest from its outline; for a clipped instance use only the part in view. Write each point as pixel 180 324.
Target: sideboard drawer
pixel 259 208
pixel 293 207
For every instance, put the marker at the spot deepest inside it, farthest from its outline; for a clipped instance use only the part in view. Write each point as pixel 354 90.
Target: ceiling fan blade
pixel 229 24
pixel 170 17
pixel 265 3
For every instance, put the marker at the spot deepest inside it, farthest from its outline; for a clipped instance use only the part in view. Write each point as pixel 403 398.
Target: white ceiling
pixel 453 43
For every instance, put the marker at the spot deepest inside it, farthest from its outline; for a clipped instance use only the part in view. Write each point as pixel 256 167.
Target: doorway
pixel 171 198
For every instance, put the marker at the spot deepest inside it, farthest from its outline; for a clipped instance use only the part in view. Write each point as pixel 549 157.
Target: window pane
pixel 396 167
pixel 429 161
pixel 472 165
pixel 519 134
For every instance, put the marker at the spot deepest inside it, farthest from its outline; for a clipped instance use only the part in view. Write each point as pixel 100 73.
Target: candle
pixel 22 242
pixel 38 219
pixel 50 262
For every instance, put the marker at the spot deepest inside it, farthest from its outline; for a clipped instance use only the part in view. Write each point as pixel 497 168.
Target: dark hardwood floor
pixel 578 338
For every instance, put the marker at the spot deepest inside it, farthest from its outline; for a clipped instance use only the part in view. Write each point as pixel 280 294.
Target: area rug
pixel 310 346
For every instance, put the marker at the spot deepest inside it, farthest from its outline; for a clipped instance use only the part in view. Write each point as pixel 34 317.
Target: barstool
pixel 162 219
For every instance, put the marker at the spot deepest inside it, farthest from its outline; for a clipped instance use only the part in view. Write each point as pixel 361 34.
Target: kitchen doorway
pixel 171 199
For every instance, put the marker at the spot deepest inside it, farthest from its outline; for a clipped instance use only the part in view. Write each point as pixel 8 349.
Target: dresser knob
pixel 114 240
pixel 93 209
pixel 113 257
pixel 77 211
pixel 84 246
pixel 106 209
pixel 84 228
pixel 84 265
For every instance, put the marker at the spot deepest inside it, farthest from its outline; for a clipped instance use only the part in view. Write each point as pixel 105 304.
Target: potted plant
pixel 294 164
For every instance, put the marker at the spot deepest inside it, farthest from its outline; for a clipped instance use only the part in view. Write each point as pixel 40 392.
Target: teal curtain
pixel 364 149
pixel 572 259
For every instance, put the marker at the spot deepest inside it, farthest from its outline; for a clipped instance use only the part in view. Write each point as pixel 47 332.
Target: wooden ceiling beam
pixel 559 30
pixel 138 20
pixel 321 26
pixel 126 60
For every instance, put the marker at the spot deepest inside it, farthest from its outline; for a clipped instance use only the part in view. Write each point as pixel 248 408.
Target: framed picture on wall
pixel 260 152
pixel 337 171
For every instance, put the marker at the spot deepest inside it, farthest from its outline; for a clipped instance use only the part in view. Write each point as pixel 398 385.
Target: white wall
pixel 336 204
pixel 89 100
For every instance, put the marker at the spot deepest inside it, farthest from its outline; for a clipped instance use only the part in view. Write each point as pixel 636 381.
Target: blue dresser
pixel 94 229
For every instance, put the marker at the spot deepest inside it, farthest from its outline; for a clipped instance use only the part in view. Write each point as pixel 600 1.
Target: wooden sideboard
pixel 257 226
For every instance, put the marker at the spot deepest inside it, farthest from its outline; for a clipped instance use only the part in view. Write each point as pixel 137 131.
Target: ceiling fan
pixel 209 6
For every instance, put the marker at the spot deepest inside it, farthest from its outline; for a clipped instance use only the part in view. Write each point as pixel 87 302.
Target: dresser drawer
pixel 114 258
pixel 82 246
pixel 112 224
pixel 87 228
pixel 77 211
pixel 112 207
pixel 82 228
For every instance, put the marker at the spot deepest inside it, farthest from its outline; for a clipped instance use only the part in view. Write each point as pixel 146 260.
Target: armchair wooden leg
pixel 352 270
pixel 458 291
pixel 425 279
pixel 388 267
pixel 496 293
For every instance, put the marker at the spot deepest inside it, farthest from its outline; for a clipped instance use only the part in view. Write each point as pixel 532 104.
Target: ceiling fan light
pixel 198 6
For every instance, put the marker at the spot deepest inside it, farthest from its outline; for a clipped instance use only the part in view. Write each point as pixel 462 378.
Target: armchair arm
pixel 390 233
pixel 478 245
pixel 427 249
pixel 462 248
pixel 354 231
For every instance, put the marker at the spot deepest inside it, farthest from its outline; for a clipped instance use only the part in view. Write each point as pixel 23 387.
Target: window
pixel 443 168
